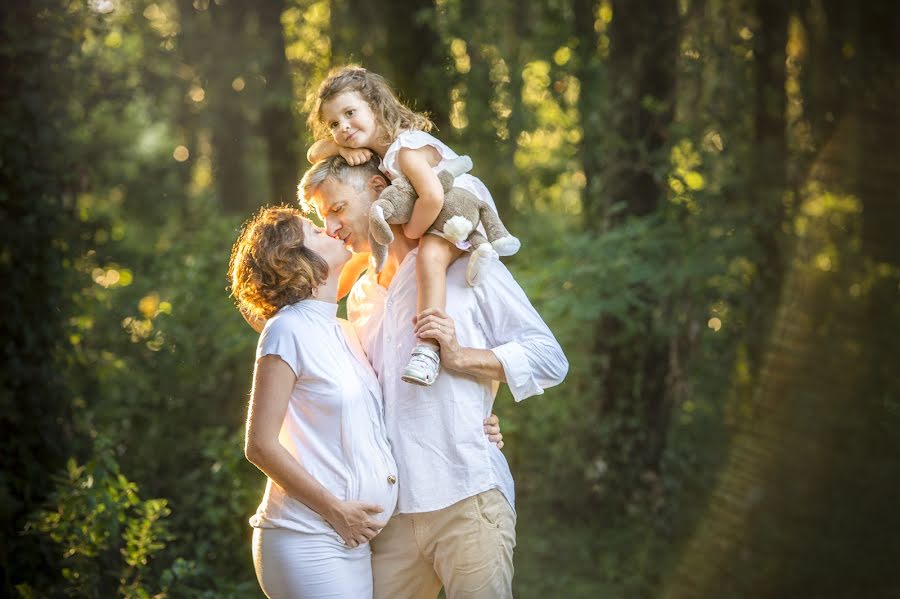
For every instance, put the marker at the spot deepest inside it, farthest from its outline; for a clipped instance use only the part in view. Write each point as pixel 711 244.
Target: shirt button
pixel 392 479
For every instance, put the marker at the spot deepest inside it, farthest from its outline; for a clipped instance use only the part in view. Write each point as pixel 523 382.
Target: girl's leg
pixel 434 257
pixel 294 565
pixel 436 254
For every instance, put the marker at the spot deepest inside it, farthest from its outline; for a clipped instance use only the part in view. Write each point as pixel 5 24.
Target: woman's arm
pixel 273 381
pixel 415 164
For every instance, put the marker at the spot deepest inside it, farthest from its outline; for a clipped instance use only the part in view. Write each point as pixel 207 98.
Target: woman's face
pixel 331 250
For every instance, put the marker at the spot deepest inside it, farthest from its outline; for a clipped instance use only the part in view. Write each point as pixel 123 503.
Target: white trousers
pixel 295 565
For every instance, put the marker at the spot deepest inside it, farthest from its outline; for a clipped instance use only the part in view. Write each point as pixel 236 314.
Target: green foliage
pixel 103 533
pixel 128 134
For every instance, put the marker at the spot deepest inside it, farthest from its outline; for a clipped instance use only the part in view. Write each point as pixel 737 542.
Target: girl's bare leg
pixel 436 254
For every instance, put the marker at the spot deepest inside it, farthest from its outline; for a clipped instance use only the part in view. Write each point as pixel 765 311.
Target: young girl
pixel 355 114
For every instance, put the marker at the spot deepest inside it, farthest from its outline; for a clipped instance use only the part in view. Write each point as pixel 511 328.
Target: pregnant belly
pixel 378 485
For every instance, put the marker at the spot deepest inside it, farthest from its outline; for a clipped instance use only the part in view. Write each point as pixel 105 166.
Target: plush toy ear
pixel 379 253
pixel 403 185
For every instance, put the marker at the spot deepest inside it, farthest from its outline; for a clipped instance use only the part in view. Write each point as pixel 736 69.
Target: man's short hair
pixel 337 168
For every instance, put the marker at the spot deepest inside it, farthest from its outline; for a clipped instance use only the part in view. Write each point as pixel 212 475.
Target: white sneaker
pixel 423 366
pixel 479 264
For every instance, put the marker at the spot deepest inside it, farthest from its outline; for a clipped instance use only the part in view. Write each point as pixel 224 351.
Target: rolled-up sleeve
pixel 531 357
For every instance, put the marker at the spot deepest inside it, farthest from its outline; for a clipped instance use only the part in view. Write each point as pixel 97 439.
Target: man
pixel 455 521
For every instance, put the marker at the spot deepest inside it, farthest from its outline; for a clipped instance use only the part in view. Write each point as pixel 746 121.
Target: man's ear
pixel 378 183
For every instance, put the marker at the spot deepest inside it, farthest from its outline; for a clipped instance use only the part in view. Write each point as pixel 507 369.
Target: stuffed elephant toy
pixel 457 221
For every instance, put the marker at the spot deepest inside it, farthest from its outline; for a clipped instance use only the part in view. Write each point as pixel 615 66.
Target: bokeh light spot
pixel 181 154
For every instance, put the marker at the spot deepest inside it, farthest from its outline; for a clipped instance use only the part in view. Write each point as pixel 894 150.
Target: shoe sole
pixel 415 381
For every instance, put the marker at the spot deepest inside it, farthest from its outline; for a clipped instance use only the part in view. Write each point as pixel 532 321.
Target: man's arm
pixel 530 355
pixel 523 352
pixel 434 323
pixel 257 324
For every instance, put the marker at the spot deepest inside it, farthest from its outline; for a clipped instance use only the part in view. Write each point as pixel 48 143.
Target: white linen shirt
pixel 334 425
pixel 436 432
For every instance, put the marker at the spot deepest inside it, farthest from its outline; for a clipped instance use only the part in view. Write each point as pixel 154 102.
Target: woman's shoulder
pixel 290 320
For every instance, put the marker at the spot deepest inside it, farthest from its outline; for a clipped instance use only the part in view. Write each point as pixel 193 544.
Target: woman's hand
pixel 355 156
pixel 353 521
pixel 492 430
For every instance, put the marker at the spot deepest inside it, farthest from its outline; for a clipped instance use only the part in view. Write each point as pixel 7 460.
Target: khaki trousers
pixel 467 546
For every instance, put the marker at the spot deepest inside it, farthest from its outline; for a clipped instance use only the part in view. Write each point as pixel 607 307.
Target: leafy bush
pixel 103 534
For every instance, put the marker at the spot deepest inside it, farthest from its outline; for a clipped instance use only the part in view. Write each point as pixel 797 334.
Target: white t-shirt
pixel 436 432
pixel 334 425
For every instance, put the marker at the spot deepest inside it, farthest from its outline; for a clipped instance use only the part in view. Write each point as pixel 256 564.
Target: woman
pixel 314 425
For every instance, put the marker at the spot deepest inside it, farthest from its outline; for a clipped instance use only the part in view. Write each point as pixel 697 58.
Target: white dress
pixel 419 139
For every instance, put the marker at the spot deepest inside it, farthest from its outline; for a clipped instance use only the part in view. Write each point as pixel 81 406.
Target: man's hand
pixel 480 363
pixel 434 323
pixel 355 156
pixel 492 430
pixel 353 521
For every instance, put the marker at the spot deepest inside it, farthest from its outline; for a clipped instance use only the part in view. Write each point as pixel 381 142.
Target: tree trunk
pixel 642 60
pixel 641 68
pixel 811 482
pixel 595 202
pixel 768 175
pixel 412 62
pixel 230 127
pixel 277 120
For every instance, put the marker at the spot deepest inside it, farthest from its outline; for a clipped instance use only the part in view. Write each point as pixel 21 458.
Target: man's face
pixel 345 210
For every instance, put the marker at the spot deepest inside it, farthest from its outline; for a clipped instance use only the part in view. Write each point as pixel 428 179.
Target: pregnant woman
pixel 315 423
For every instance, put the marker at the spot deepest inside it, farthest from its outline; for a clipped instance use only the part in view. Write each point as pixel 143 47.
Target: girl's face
pixel 350 120
pixel 330 249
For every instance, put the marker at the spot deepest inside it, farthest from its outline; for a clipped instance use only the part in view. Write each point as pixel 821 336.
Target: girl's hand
pixel 355 156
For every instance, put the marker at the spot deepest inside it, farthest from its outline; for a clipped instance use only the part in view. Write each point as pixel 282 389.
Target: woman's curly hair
pixel 270 266
pixel 390 113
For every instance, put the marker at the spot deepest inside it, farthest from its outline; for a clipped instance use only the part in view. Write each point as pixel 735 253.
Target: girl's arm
pixel 273 381
pixel 415 164
pixel 322 149
pixel 326 148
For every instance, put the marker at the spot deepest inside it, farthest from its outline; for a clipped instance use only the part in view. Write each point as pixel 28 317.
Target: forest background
pixel 706 191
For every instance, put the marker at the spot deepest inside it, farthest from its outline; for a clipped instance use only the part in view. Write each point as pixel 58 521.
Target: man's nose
pixel 331 226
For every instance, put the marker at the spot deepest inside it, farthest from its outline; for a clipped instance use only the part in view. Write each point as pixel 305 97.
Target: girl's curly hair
pixel 270 266
pixel 390 113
